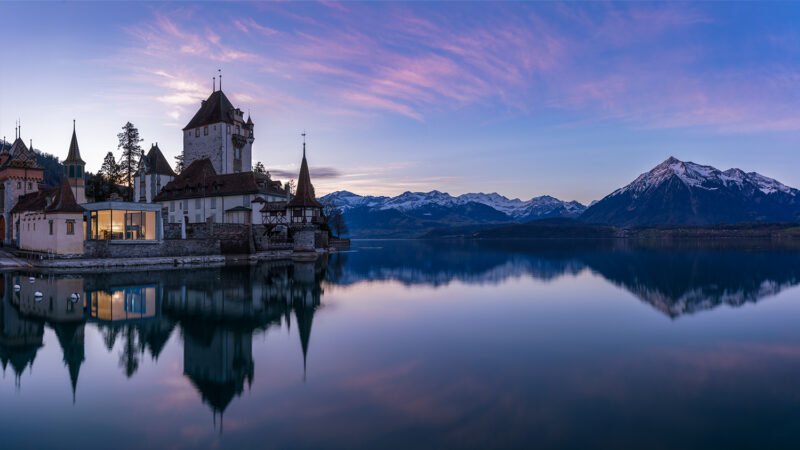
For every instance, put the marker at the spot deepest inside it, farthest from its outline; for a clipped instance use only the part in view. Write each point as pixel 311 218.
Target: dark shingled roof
pixel 60 200
pixel 217 108
pixel 21 156
pixel 64 200
pixel 304 197
pixel 156 163
pixel 201 180
pixel 74 155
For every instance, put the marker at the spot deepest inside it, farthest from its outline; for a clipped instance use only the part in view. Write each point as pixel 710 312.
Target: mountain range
pixel 412 214
pixel 672 193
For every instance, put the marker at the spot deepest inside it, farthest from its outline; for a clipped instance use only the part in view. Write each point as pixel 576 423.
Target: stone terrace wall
pixel 172 231
pixel 234 238
pixel 171 247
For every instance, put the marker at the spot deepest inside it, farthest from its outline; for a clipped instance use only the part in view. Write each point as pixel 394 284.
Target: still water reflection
pixel 415 344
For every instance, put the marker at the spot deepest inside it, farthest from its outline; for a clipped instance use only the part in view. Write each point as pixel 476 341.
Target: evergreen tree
pixel 131 154
pixel 259 168
pixel 179 163
pixel 110 170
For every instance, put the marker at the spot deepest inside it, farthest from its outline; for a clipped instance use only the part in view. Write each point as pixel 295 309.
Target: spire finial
pixel 220 78
pixel 304 142
pixel 73 125
pixel 214 84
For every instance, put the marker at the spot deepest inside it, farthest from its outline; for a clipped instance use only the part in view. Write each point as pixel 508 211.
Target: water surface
pixel 413 344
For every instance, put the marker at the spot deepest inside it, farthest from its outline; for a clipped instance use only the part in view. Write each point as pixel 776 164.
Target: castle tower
pixel 73 169
pixel 219 132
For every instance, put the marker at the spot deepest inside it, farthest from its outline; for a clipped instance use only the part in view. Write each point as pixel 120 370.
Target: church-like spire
pixel 304 196
pixel 74 155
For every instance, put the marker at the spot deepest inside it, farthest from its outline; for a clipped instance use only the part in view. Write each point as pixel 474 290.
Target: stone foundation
pixel 170 247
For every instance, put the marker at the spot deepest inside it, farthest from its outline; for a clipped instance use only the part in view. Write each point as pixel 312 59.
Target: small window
pixel 171 219
pixel 205 131
pixel 71 171
pixel 213 202
pixel 172 207
pixel 245 200
pixel 19 184
pixel 229 129
pixel 50 224
pixel 197 218
pixel 30 185
pixel 70 227
pixel 197 203
pixel 79 171
pixel 237 129
pixel 185 205
pixel 196 132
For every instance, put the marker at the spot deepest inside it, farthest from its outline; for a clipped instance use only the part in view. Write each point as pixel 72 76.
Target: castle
pixel 216 190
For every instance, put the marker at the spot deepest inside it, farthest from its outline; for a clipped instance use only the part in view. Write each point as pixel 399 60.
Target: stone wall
pixel 172 247
pixel 172 231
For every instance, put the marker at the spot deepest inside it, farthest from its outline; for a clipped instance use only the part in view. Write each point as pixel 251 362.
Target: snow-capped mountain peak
pixel 695 175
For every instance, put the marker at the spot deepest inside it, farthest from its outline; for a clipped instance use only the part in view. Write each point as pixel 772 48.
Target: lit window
pixel 70 227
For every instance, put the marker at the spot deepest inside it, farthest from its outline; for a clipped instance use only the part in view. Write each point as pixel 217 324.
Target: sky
pixel 525 99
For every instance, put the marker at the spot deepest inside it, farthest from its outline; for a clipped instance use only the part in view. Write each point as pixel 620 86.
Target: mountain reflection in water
pixel 217 314
pixel 674 279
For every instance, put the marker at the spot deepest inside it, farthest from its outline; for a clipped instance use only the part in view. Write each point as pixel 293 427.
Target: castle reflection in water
pixel 217 310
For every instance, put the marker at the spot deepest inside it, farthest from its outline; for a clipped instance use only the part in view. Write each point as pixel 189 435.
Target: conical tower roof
pixel 304 197
pixel 64 200
pixel 74 155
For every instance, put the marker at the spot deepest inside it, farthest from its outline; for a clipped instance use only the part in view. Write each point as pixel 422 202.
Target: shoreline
pixel 77 265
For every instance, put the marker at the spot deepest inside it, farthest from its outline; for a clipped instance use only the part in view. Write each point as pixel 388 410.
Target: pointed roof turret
pixel 304 197
pixel 64 200
pixel 156 163
pixel 74 155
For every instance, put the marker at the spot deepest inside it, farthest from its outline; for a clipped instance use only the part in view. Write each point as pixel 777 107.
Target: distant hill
pixel 413 214
pixel 685 193
pixel 53 169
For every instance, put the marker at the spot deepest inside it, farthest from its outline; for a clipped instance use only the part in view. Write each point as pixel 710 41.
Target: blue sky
pixel 524 99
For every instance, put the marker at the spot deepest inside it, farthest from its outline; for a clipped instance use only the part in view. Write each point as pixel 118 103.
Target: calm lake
pixel 413 344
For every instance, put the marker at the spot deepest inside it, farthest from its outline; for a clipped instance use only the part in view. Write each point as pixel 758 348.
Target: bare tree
pixel 334 219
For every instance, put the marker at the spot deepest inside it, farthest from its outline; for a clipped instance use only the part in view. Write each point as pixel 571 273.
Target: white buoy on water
pixel 17 287
pixel 37 296
pixel 31 279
